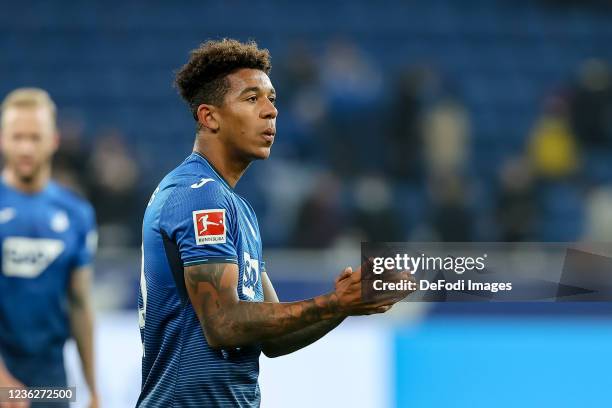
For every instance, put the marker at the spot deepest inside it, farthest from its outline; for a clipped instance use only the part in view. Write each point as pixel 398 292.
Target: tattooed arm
pixel 299 339
pixel 229 322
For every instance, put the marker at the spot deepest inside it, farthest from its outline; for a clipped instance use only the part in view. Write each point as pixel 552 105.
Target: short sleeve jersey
pixel 44 237
pixel 195 217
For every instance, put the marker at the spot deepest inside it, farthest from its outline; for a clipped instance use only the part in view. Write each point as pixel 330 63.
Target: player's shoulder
pixel 6 193
pixel 70 200
pixel 194 183
pixel 196 177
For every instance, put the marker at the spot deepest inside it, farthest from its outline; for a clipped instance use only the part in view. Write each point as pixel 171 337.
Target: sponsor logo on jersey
pixel 209 226
pixel 29 257
pixel 250 276
pixel 201 182
pixel 7 214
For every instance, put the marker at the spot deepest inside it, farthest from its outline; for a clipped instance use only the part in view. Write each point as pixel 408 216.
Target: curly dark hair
pixel 203 80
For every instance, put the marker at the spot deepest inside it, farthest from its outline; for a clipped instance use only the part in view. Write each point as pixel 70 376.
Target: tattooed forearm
pixel 288 343
pixel 249 322
pixel 229 322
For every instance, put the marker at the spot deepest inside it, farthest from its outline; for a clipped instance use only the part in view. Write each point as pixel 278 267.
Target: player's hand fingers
pixel 379 306
pixel 383 309
pixel 376 310
pixel 356 275
pixel 348 271
pixel 384 302
pixel 365 264
pixel 401 276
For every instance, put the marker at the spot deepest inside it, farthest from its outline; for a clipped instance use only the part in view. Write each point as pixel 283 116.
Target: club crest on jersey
pixel 7 214
pixel 60 222
pixel 209 226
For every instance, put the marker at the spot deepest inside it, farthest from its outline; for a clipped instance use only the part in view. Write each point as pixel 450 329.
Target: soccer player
pixel 207 307
pixel 48 238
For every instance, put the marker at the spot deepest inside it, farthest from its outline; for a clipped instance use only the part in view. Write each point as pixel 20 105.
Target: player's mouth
pixel 269 134
pixel 25 162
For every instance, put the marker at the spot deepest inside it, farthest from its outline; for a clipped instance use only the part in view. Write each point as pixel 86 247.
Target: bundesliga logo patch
pixel 209 226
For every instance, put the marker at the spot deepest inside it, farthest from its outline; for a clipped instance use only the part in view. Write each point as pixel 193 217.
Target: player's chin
pixel 262 153
pixel 26 172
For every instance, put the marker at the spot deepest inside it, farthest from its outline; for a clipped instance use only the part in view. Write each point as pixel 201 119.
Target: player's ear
pixel 56 140
pixel 207 117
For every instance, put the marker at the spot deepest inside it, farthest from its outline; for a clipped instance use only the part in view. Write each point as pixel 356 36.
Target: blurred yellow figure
pixel 552 147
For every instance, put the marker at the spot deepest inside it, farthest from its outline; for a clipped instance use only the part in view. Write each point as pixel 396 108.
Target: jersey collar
pixel 22 193
pixel 201 156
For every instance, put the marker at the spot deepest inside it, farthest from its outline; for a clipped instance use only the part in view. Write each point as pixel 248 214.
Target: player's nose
pixel 269 112
pixel 26 148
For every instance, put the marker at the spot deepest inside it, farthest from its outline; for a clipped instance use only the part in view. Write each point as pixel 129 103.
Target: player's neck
pixel 33 185
pixel 230 168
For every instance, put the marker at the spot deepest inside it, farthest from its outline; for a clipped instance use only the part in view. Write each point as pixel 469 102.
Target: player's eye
pixel 252 98
pixel 272 99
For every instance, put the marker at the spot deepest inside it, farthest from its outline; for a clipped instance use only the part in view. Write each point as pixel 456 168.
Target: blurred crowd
pixel 399 163
pixel 363 154
pixel 109 175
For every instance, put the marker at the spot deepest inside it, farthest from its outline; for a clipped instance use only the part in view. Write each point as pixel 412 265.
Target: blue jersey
pixel 195 217
pixel 44 237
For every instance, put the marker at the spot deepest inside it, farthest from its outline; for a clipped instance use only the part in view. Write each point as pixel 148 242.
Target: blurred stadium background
pixel 429 120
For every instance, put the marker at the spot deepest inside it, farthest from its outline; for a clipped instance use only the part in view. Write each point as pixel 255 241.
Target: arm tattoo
pixel 211 275
pixel 230 322
pixel 297 340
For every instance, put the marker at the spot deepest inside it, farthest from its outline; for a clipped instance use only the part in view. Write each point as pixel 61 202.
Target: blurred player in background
pixel 207 307
pixel 48 240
